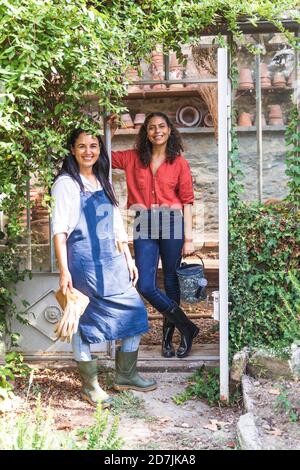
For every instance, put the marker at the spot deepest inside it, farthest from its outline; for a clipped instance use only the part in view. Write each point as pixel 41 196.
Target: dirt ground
pixel 277 412
pixel 148 421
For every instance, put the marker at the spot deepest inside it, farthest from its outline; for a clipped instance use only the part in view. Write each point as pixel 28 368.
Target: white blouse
pixel 66 207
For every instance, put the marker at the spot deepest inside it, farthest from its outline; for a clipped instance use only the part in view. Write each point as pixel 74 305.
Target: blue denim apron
pixel 115 310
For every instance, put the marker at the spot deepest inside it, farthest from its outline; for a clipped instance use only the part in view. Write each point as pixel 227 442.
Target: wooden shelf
pixel 164 93
pixel 182 130
pixel 206 130
pixel 271 89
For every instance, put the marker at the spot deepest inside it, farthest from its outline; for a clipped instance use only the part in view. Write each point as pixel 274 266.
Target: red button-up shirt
pixel 170 187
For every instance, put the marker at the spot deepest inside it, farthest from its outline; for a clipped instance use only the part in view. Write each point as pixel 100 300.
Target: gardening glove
pixel 73 304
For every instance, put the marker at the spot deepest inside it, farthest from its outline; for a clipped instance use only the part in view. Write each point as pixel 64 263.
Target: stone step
pixel 150 359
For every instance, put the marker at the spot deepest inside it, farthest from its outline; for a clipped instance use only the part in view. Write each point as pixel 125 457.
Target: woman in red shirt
pixel 159 186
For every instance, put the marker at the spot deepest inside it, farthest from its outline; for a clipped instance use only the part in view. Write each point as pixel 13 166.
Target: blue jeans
pixel 157 236
pixel 82 351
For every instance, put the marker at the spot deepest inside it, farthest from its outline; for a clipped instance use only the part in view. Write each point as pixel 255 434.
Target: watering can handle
pixel 185 256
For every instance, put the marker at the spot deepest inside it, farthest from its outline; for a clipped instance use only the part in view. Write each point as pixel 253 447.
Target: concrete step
pixel 150 359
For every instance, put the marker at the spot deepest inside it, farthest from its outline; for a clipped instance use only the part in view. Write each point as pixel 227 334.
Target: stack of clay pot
pixel 265 80
pixel 133 76
pixel 176 71
pixel 275 115
pixel 245 79
pixel 139 120
pixel 278 80
pixel 126 121
pixel 157 68
pixel 244 119
pixel 39 221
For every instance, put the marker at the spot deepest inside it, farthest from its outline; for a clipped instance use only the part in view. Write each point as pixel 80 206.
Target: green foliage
pixel 284 405
pixel 14 365
pixel 264 247
pixel 292 160
pixel 289 313
pixel 34 431
pixel 204 384
pixel 9 276
pixel 264 254
pixel 98 437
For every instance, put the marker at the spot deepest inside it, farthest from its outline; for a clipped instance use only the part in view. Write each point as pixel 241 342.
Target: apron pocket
pixel 106 277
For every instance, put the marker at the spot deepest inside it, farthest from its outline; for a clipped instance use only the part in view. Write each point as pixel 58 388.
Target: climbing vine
pixel 292 159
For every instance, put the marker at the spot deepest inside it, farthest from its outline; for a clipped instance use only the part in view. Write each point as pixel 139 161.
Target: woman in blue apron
pixel 84 220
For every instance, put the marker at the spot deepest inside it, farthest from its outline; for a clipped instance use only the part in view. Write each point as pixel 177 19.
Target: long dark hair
pixel 144 146
pixel 100 168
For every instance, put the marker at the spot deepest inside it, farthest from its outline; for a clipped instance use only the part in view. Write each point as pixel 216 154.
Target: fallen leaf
pixel 231 444
pixel 63 427
pixel 215 425
pixel 275 432
pixel 274 391
pixel 211 427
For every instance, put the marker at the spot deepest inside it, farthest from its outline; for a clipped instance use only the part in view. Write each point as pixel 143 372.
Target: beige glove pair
pixel 73 305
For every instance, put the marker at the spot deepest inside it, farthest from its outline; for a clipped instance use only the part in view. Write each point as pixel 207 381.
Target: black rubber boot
pixel 91 390
pixel 127 376
pixel 186 327
pixel 168 330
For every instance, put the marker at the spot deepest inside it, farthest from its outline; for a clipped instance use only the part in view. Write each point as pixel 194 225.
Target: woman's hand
pixel 65 281
pixel 188 248
pixel 133 271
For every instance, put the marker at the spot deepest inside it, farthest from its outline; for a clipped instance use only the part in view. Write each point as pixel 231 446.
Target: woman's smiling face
pixel 158 131
pixel 86 150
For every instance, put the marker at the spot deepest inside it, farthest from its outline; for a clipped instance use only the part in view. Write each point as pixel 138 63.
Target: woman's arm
pixel 134 274
pixel 60 245
pixel 188 246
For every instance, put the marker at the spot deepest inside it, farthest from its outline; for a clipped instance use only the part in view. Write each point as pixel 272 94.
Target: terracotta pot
pixel 208 120
pixel 188 116
pixel 275 115
pixel 265 80
pixel 139 120
pixel 157 68
pixel 133 76
pixel 275 110
pixel 245 79
pixel 244 119
pixel 40 230
pixel 264 71
pixel 278 80
pixel 126 121
pixel 176 71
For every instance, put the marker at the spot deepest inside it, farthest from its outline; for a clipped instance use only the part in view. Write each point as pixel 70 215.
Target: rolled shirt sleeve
pixel 185 184
pixel 65 205
pixel 119 230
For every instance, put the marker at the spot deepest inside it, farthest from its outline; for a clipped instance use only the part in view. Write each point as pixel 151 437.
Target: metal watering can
pixel 192 281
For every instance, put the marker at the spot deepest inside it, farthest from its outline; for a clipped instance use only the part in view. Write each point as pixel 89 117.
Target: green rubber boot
pixel 127 376
pixel 91 390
